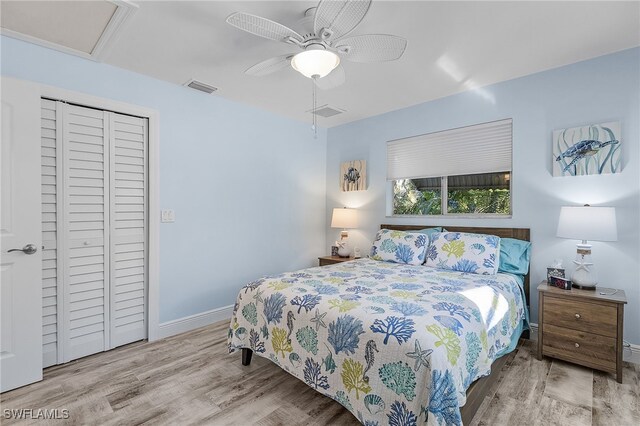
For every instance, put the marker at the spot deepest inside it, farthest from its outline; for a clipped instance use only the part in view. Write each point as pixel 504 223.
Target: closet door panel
pixel 128 229
pixel 88 286
pixel 49 142
pixel 86 211
pixel 130 283
pixel 94 195
pixel 86 278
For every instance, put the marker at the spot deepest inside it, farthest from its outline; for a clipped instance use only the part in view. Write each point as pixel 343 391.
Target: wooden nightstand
pixel 330 260
pixel 582 326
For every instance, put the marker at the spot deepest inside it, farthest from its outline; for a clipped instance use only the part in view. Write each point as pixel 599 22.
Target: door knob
pixel 28 249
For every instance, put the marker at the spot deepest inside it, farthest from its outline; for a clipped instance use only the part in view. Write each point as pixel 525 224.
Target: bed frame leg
pixel 246 356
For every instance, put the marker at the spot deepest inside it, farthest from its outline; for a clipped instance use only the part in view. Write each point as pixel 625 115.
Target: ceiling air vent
pixel 326 111
pixel 198 85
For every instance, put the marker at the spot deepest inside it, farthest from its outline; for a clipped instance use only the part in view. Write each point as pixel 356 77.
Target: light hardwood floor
pixel 191 379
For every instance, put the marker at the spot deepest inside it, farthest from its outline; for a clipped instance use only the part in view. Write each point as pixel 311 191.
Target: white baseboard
pixel 533 331
pixel 629 354
pixel 181 325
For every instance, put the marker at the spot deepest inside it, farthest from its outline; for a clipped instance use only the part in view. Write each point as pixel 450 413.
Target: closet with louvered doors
pixel 94 224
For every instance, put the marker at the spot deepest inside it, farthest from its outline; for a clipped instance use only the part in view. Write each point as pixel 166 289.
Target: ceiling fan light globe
pixel 312 63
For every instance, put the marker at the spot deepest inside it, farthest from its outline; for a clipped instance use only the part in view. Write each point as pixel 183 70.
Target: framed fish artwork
pixel 353 175
pixel 588 150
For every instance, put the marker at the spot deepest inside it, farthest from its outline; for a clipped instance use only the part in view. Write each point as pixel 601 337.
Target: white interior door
pixel 20 226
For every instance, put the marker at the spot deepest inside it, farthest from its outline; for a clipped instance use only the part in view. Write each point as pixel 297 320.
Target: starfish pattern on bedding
pixel 258 295
pixel 421 357
pixel 318 319
pixel 333 352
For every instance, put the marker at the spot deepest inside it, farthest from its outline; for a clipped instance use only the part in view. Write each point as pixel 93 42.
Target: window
pixel 465 171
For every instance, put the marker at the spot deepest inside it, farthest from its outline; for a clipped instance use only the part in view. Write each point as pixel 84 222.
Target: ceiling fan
pixel 324 43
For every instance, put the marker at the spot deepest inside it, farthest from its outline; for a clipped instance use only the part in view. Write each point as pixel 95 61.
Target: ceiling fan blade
pixel 271 65
pixel 335 19
pixel 263 27
pixel 334 79
pixel 371 48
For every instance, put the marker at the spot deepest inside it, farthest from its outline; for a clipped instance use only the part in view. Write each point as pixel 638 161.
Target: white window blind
pixel 481 148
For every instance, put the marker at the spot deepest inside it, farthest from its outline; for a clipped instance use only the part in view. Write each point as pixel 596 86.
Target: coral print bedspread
pixel 395 344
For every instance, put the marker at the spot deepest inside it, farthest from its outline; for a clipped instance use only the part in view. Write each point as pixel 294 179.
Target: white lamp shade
pixel 344 218
pixel 315 62
pixel 588 223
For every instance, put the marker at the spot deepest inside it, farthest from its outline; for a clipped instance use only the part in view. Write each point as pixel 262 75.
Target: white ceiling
pixel 452 47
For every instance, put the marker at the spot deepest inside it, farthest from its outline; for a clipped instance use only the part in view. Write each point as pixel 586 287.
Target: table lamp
pixel 344 218
pixel 586 223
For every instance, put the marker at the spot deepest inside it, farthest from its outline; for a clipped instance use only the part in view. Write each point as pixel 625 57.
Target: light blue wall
pixel 247 186
pixel 595 91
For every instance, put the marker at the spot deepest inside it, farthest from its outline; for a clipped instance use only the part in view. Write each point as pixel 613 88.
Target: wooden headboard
pixel 517 233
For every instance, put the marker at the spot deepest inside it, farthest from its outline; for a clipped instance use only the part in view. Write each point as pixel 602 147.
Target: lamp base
pixel 344 248
pixel 584 275
pixel 584 287
pixel 344 252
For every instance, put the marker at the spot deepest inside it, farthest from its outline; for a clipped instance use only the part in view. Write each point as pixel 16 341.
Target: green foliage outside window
pixel 480 201
pixel 409 200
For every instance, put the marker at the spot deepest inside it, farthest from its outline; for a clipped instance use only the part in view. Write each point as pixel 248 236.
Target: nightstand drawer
pixel 582 316
pixel 576 346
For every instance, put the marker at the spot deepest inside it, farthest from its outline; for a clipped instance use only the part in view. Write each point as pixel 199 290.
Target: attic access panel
pixel 84 28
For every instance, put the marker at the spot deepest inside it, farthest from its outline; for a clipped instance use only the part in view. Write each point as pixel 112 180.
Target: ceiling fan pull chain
pixel 314 106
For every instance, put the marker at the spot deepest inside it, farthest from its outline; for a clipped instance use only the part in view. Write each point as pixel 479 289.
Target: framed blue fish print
pixel 588 150
pixel 353 175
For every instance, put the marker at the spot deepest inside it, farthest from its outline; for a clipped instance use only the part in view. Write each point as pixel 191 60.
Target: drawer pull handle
pixel 577 345
pixel 578 316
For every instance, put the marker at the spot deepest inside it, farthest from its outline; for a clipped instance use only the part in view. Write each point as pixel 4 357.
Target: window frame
pixel 444 201
pixel 444 188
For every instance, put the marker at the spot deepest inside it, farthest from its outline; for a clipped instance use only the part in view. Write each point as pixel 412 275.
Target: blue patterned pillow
pixel 458 251
pixel 400 247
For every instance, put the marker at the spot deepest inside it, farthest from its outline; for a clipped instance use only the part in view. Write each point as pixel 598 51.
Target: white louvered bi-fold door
pixel 94 183
pixel 85 231
pixel 49 158
pixel 128 229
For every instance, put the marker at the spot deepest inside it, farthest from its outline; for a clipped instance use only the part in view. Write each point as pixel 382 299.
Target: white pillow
pixel 458 251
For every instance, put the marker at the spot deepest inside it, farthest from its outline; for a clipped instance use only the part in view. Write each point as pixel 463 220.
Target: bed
pixel 393 343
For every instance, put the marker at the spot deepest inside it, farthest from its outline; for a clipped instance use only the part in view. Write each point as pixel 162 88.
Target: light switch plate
pixel 167 216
